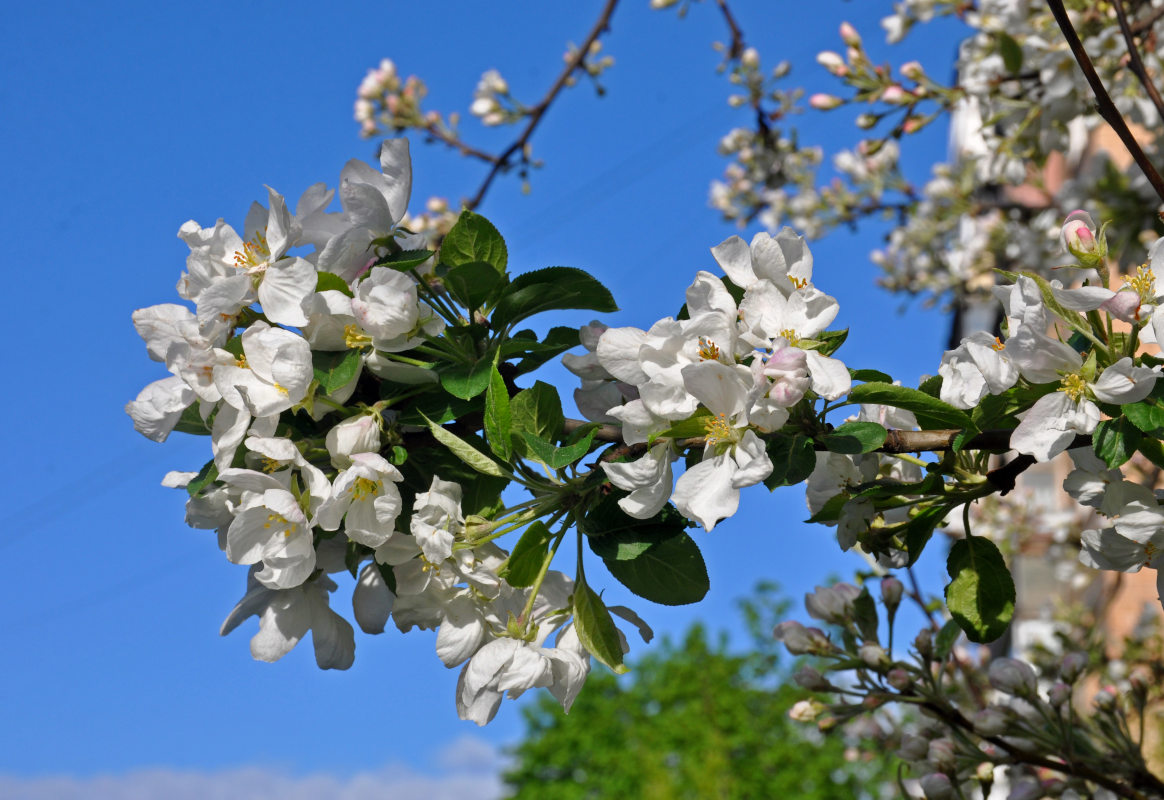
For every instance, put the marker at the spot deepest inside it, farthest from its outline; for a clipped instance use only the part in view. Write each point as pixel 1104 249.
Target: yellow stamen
pixel 269 464
pixel 799 283
pixel 1074 386
pixel 719 430
pixel 254 253
pixel 708 350
pixel 241 362
pixel 282 389
pixel 1144 283
pixel 354 338
pixel 790 336
pixel 365 487
pixel 998 345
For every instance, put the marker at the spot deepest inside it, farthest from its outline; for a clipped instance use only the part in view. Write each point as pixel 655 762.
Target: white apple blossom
pixel 365 497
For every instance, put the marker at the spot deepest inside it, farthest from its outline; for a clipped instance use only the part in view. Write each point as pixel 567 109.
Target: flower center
pixel 241 362
pixel 790 336
pixel 708 350
pixel 254 254
pixel 998 346
pixel 1144 283
pixel 279 519
pixel 354 338
pixel 799 283
pixel 1150 551
pixel 365 487
pixel 1074 386
pixel 719 430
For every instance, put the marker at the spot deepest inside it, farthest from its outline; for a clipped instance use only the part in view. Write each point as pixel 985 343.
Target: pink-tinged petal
pixel 372 600
pixel 735 258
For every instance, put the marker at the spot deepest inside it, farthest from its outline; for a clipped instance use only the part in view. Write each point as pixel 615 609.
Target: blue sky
pixel 123 120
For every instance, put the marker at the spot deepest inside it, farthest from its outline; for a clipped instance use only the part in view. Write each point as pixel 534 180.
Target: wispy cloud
pixel 471 769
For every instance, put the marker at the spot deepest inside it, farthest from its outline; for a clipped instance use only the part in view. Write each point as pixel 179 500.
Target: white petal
pixel 372 600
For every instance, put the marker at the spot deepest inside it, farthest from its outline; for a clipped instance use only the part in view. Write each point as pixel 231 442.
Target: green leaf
pixel 536 410
pixel 524 564
pixel 556 457
pixel 695 425
pixel 558 340
pixel 352 556
pixel 931 386
pixel 405 260
pixel 615 534
pixel 549 289
pixel 853 438
pixel 234 346
pixel 335 369
pixel 466 381
pixel 498 423
pixel 327 281
pixel 474 283
pixel 595 628
pixel 670 572
pixel 943 415
pixel 865 614
pixel 207 475
pixel 388 574
pixel 1116 440
pixel 1153 451
pixel 870 376
pixel 831 341
pixel 946 638
pixel 980 595
pixel 466 452
pixel 919 530
pixel 191 422
pixel 793 460
pixel 437 407
pixel 1146 417
pixel 473 238
pixel 831 510
pixel 1011 52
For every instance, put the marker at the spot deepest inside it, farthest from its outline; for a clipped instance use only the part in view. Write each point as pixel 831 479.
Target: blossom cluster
pixel 732 369
pixel 287 323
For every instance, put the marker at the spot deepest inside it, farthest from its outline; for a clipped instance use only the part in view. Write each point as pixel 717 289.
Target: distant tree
pixel 691 720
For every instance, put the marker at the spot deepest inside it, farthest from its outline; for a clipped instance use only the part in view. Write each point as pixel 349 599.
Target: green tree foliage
pixel 692 720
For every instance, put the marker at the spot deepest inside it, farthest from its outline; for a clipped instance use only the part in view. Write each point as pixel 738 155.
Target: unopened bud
pixel 872 702
pixel 825 102
pixel 1107 698
pixel 924 643
pixel 912 70
pixel 801 640
pixel 832 604
pixel 1012 676
pixel 936 786
pixel 1072 666
pixel 832 62
pixel 1078 238
pixel 866 121
pixel 941 754
pixel 874 655
pixel 992 721
pixel 891 591
pixel 849 35
pixel 806 710
pixel 985 772
pixel 1059 695
pixel 750 58
pixel 899 679
pixel 894 94
pixel 808 678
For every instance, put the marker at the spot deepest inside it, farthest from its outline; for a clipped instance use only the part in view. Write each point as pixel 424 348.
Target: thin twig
pixel 1141 25
pixel 1103 101
pixel 502 162
pixel 441 135
pixel 1136 62
pixel 736 48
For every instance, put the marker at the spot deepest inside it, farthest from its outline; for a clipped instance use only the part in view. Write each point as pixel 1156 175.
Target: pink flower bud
pixel 874 655
pixel 1059 695
pixel 832 62
pixel 895 95
pixel 891 591
pixel 1012 676
pixel 913 748
pixel 825 102
pixel 941 754
pixel 832 604
pixel 936 786
pixel 1072 666
pixel 899 679
pixel 912 70
pixel 1078 238
pixel 808 678
pixel 849 35
pixel 991 721
pixel 801 640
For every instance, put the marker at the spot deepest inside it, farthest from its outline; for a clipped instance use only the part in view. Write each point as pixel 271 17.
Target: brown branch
pixel 736 48
pixel 1103 101
pixel 1136 62
pixel 1141 25
pixel 435 132
pixel 502 162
